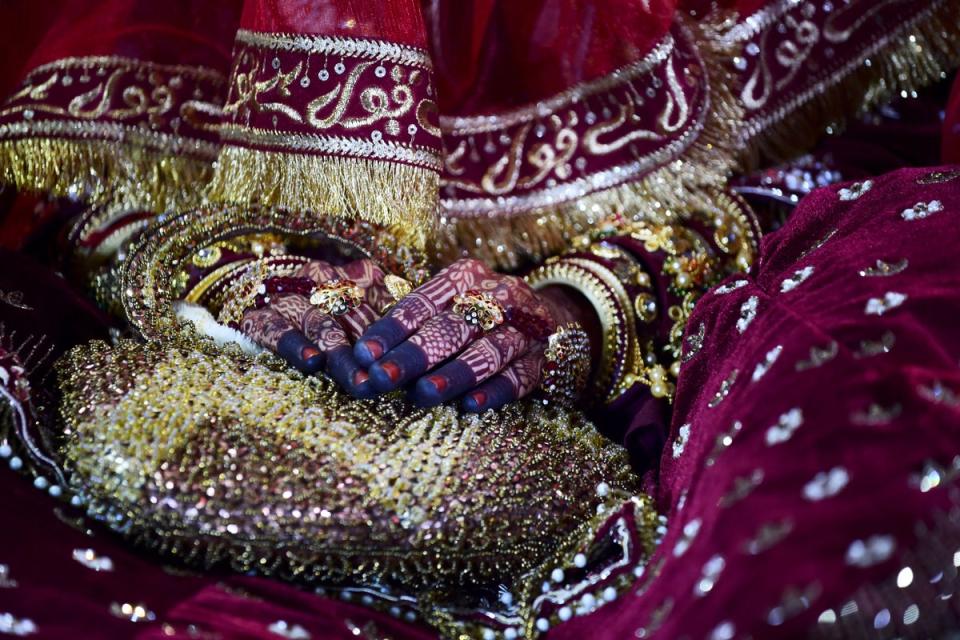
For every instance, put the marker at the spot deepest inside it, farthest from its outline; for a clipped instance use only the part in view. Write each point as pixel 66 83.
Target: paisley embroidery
pixel 876 415
pixel 819 356
pixel 922 210
pixel 879 306
pixel 885 269
pixel 872 348
pixel 855 190
pixel 724 390
pixel 694 343
pixel 798 278
pixel 785 427
pixel 768 360
pixel 826 484
pixel 729 288
pixel 748 311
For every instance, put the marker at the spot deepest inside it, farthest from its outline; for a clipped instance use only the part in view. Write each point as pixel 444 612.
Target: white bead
pixel 510 633
pixel 638 571
pixel 557 575
pixel 609 594
pixel 5 450
pixel 542 624
pixel 488 634
pixel 565 613
pixel 55 490
pixel 40 482
pixel 603 489
pixel 76 501
pixel 588 600
pixel 545 587
pixel 506 598
pixel 580 560
pixel 15 463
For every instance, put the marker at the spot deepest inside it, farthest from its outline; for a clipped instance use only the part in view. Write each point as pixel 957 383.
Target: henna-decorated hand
pixel 417 337
pixel 310 339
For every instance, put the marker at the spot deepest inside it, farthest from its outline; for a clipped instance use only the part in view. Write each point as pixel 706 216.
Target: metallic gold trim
pixel 94 131
pixel 462 125
pixel 332 145
pixel 122 62
pixel 344 47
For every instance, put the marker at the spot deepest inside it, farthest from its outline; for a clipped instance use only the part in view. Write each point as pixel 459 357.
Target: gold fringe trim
pixel 692 183
pixel 124 174
pixel 385 193
pixel 919 53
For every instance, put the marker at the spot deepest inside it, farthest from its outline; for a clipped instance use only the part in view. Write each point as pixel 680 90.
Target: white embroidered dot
pixel 768 360
pixel 543 624
pixel 609 594
pixel 826 484
pixel 683 434
pixel 565 613
pixel 723 631
pixel 748 311
pixel 580 561
pixel 785 427
pixel 488 634
pixel 855 190
pixel 870 552
pixel 879 306
pixel 922 210
pixel 557 575
pixel 798 278
pixel 603 489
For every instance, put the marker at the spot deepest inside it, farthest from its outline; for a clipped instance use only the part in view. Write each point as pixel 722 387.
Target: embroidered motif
pixel 876 415
pixel 690 531
pixel 683 434
pixel 826 484
pixel 855 190
pixel 939 394
pixel 819 243
pixel 17 626
pixel 798 278
pixel 694 343
pixel 870 348
pixel 939 177
pixel 934 474
pixel 767 536
pixel 709 576
pixel 6 582
pixel 762 367
pixel 742 487
pixel 724 390
pixel 885 268
pixel 730 287
pixel 869 552
pixel 922 210
pixel 785 427
pixel 14 299
pixel 724 440
pixel 879 306
pixel 819 356
pixel 748 311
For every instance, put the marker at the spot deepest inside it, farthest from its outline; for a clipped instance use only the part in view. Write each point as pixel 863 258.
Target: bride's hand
pixel 414 341
pixel 309 339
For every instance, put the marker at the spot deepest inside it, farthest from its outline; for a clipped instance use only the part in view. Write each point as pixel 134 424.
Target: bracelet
pixel 241 292
pixel 567 365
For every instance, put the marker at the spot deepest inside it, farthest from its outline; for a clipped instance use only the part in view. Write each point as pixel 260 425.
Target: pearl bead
pixel 506 598
pixel 588 600
pixel 542 624
pixel 557 575
pixel 565 613
pixel 15 463
pixel 40 482
pixel 580 561
pixel 638 571
pixel 488 634
pixel 76 501
pixel 55 490
pixel 609 594
pixel 603 489
pixel 510 633
pixel 5 450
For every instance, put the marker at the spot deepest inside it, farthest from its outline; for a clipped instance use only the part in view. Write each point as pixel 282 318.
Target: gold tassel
pixel 919 53
pixel 389 194
pixel 127 174
pixel 692 183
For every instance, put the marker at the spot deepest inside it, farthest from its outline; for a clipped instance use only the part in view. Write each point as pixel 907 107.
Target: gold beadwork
pixel 337 297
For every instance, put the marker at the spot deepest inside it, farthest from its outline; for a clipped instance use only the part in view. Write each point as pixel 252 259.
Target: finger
pixel 441 337
pixel 516 381
pixel 357 320
pixel 271 330
pixel 478 362
pixel 318 271
pixel 331 338
pixel 369 277
pixel 416 308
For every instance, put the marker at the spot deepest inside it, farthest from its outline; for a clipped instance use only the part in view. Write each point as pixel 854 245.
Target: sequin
pixel 132 612
pixel 690 531
pixel 16 626
pixel 819 356
pixel 826 484
pixel 683 434
pixel 294 632
pixel 879 306
pixel 799 277
pixel 855 190
pixel 711 573
pixel 870 552
pixel 90 559
pixel 762 367
pixel 785 427
pixel 922 210
pixel 724 440
pixel 885 269
pixel 934 474
pixel 724 390
pixel 748 311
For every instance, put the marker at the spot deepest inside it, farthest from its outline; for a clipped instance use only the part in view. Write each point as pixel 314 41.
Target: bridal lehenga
pixel 767 442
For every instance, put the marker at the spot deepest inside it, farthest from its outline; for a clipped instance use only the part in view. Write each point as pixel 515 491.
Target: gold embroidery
pixel 14 299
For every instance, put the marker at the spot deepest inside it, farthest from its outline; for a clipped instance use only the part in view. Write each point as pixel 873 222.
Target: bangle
pixel 241 292
pixel 567 365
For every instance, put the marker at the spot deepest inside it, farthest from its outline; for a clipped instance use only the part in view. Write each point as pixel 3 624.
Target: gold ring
pixel 337 297
pixel 396 286
pixel 479 309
